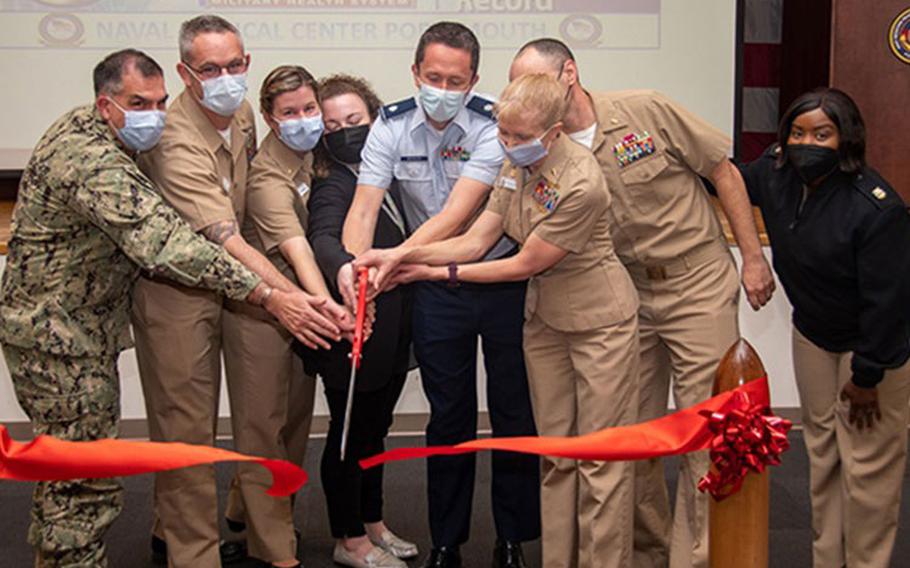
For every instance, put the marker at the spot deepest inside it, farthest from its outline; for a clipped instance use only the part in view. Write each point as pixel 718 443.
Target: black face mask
pixel 346 144
pixel 812 162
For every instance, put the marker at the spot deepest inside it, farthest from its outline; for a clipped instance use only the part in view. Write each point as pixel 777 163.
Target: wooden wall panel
pixel 863 65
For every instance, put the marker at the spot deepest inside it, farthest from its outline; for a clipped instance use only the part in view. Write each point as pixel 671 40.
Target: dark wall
pixel 805 49
pixel 9 185
pixel 863 65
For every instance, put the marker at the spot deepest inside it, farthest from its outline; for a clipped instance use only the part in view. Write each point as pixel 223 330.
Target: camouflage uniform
pixel 85 222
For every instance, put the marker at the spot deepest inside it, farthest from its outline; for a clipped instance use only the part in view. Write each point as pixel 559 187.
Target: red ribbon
pixel 681 432
pixel 739 430
pixel 747 437
pixel 48 459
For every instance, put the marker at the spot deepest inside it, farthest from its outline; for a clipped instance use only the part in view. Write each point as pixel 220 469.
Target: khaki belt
pixel 682 264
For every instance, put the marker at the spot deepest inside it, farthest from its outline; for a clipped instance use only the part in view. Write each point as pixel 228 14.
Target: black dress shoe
pixel 231 551
pixel 444 557
pixel 264 564
pixel 159 551
pixel 507 554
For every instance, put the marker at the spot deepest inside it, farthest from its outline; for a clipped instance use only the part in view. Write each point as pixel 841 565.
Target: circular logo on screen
pixel 581 30
pixel 61 30
pixel 899 36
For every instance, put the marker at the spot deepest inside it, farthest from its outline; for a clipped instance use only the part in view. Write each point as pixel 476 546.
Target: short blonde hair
pixel 536 96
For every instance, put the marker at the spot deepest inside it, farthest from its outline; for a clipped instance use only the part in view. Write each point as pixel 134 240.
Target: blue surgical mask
pixel 224 94
pixel 439 104
pixel 301 134
pixel 523 155
pixel 141 129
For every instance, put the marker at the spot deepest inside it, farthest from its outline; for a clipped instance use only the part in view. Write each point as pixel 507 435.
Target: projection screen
pixel 684 48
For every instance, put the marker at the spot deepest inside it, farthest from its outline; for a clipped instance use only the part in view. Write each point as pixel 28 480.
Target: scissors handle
pixel 357 347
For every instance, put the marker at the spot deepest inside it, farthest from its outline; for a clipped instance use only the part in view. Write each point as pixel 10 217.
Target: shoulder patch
pixel 876 190
pixel 398 108
pixel 481 106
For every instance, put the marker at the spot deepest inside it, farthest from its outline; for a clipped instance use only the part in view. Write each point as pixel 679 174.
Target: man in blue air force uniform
pixel 443 151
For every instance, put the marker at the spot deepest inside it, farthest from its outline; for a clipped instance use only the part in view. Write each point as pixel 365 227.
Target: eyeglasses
pixel 212 70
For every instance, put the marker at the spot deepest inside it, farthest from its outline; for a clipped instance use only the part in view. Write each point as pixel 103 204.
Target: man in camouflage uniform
pixel 85 222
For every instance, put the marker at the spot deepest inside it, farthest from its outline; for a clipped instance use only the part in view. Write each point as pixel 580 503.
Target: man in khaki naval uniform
pixel 665 231
pixel 200 166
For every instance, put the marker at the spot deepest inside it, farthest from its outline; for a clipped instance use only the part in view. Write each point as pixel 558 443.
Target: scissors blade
pixel 347 412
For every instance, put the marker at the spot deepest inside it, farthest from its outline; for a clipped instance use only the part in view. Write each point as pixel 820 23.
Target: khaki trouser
pixel 296 435
pixel 582 382
pixel 271 403
pixel 687 322
pixel 855 477
pixel 70 398
pixel 178 347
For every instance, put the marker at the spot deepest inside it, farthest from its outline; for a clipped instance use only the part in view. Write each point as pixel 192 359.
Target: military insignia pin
pixel 455 153
pixel 879 193
pixel 633 147
pixel 250 148
pixel 545 196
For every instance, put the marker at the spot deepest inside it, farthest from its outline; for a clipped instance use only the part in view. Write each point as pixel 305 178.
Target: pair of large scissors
pixel 356 352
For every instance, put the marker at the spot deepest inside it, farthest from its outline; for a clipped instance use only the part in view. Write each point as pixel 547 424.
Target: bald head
pixel 545 55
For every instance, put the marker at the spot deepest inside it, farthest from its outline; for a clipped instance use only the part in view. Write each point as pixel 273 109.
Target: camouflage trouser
pixel 71 398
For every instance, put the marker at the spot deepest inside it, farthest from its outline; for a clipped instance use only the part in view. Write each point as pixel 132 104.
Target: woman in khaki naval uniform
pixel 581 326
pixel 273 397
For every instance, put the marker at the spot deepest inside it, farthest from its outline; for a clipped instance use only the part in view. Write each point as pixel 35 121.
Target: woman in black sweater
pixel 354 497
pixel 840 238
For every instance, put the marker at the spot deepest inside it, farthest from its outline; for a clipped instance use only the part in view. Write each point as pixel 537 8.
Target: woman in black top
pixel 354 497
pixel 840 238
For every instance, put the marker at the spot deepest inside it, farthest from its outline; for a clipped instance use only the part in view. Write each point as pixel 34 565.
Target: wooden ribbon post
pixel 739 523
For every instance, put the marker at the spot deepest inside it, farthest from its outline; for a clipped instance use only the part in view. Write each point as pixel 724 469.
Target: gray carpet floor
pixel 405 511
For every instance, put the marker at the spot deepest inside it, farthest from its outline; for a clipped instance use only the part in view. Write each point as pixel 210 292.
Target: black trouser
pixel 447 323
pixel 354 496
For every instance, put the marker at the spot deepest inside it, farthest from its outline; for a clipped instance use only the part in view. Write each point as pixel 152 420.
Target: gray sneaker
pixel 395 545
pixel 376 558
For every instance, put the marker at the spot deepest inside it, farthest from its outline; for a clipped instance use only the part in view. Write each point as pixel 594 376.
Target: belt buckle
pixel 656 272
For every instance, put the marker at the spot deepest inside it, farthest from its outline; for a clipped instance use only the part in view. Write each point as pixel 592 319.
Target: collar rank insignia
pixel 879 193
pixel 455 153
pixel 545 196
pixel 633 147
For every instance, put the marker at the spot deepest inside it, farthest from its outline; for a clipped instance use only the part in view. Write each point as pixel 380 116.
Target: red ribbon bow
pixel 746 437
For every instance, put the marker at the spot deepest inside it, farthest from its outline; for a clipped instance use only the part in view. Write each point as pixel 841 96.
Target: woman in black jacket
pixel 840 238
pixel 354 497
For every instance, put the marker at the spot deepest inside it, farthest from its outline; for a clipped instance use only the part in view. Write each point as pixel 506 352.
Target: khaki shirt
pixel 277 194
pixel 651 152
pixel 565 203
pixel 195 170
pixel 86 220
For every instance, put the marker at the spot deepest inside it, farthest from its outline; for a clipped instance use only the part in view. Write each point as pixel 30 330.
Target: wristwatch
pixel 453 275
